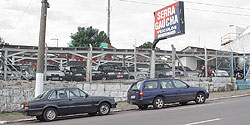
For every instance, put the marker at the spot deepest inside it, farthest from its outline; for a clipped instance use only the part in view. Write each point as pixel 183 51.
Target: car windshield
pixel 136 86
pixel 41 95
pixel 77 69
pixel 54 68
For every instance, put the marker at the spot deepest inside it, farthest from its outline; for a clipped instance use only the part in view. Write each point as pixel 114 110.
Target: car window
pixel 58 94
pixel 73 93
pixel 179 84
pixel 166 84
pixel 151 85
pixel 136 86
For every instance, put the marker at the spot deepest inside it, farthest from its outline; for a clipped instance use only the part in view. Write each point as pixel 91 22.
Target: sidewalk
pixel 123 106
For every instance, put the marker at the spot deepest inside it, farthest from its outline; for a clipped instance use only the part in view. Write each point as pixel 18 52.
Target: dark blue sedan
pixel 65 101
pixel 158 92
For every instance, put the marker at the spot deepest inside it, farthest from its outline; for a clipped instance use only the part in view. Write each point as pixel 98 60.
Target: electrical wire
pixel 155 4
pixel 209 4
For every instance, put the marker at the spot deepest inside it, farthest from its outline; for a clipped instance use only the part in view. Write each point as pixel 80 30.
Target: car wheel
pixel 40 118
pixel 92 113
pixel 183 103
pixel 158 103
pixel 161 76
pixel 142 107
pixel 132 77
pixel 200 98
pixel 49 114
pixel 103 109
pixel 104 78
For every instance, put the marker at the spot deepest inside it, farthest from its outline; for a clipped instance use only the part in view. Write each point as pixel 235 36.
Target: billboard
pixel 169 21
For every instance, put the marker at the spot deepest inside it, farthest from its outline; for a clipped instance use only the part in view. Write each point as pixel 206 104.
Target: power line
pixel 209 4
pixel 236 14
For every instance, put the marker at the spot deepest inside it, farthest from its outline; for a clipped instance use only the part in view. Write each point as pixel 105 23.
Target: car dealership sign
pixel 169 21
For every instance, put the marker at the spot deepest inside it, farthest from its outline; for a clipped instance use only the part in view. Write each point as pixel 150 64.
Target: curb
pixel 31 119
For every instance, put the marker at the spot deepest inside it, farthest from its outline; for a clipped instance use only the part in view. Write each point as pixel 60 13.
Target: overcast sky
pixel 130 22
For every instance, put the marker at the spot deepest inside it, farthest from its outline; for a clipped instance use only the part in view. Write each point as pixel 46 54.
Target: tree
pixel 85 36
pixel 146 45
pixel 2 42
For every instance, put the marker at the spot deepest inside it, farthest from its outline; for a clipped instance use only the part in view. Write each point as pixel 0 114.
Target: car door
pixel 183 91
pixel 150 90
pixel 168 90
pixel 79 102
pixel 59 98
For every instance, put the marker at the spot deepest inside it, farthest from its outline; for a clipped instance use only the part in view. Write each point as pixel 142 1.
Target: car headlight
pixel 111 73
pixel 169 73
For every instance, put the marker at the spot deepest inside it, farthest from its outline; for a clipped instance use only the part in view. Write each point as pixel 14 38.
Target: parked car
pixel 13 72
pixel 191 73
pixel 158 92
pixel 65 101
pixel 219 73
pixel 164 71
pixel 78 73
pixel 53 73
pixel 139 74
pixel 112 71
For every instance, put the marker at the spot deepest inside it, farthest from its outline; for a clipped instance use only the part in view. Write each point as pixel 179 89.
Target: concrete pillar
pixel 152 64
pixel 173 61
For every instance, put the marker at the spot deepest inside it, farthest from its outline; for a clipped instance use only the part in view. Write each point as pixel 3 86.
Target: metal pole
pixel 89 65
pixel 244 65
pixel 206 62
pixel 216 61
pixel 41 49
pixel 135 62
pixel 108 19
pixel 46 62
pixel 232 66
pixel 173 61
pixel 152 63
pixel 5 64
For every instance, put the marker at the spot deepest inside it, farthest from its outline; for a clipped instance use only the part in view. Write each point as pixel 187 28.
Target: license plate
pixel 55 78
pixel 132 97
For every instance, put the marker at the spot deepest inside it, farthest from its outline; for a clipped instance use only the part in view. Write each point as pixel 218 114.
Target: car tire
pixel 104 78
pixel 161 76
pixel 158 103
pixel 142 107
pixel 40 118
pixel 50 114
pixel 183 103
pixel 200 98
pixel 131 77
pixel 103 109
pixel 92 113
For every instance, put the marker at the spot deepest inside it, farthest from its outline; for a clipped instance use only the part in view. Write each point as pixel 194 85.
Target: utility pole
pixel 108 30
pixel 41 49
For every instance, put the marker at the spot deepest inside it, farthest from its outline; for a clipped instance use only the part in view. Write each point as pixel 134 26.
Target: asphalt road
pixel 221 112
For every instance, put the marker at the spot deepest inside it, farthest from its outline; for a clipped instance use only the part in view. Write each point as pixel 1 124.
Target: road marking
pixel 194 106
pixel 200 122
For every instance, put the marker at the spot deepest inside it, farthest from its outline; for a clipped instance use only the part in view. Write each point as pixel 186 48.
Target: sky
pixel 131 22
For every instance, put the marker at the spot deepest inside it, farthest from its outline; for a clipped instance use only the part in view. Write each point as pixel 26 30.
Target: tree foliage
pixel 2 42
pixel 146 45
pixel 85 36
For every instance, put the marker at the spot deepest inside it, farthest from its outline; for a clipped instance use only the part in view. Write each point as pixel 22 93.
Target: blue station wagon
pixel 158 92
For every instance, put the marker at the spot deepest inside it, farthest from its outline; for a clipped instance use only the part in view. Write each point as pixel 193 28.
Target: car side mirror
pixel 86 96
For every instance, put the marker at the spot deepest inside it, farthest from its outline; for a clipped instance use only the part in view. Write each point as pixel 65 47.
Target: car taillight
pixel 26 106
pixel 141 93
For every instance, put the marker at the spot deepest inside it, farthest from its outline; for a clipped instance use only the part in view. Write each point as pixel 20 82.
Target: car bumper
pixel 31 112
pixel 113 105
pixel 139 102
pixel 207 95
